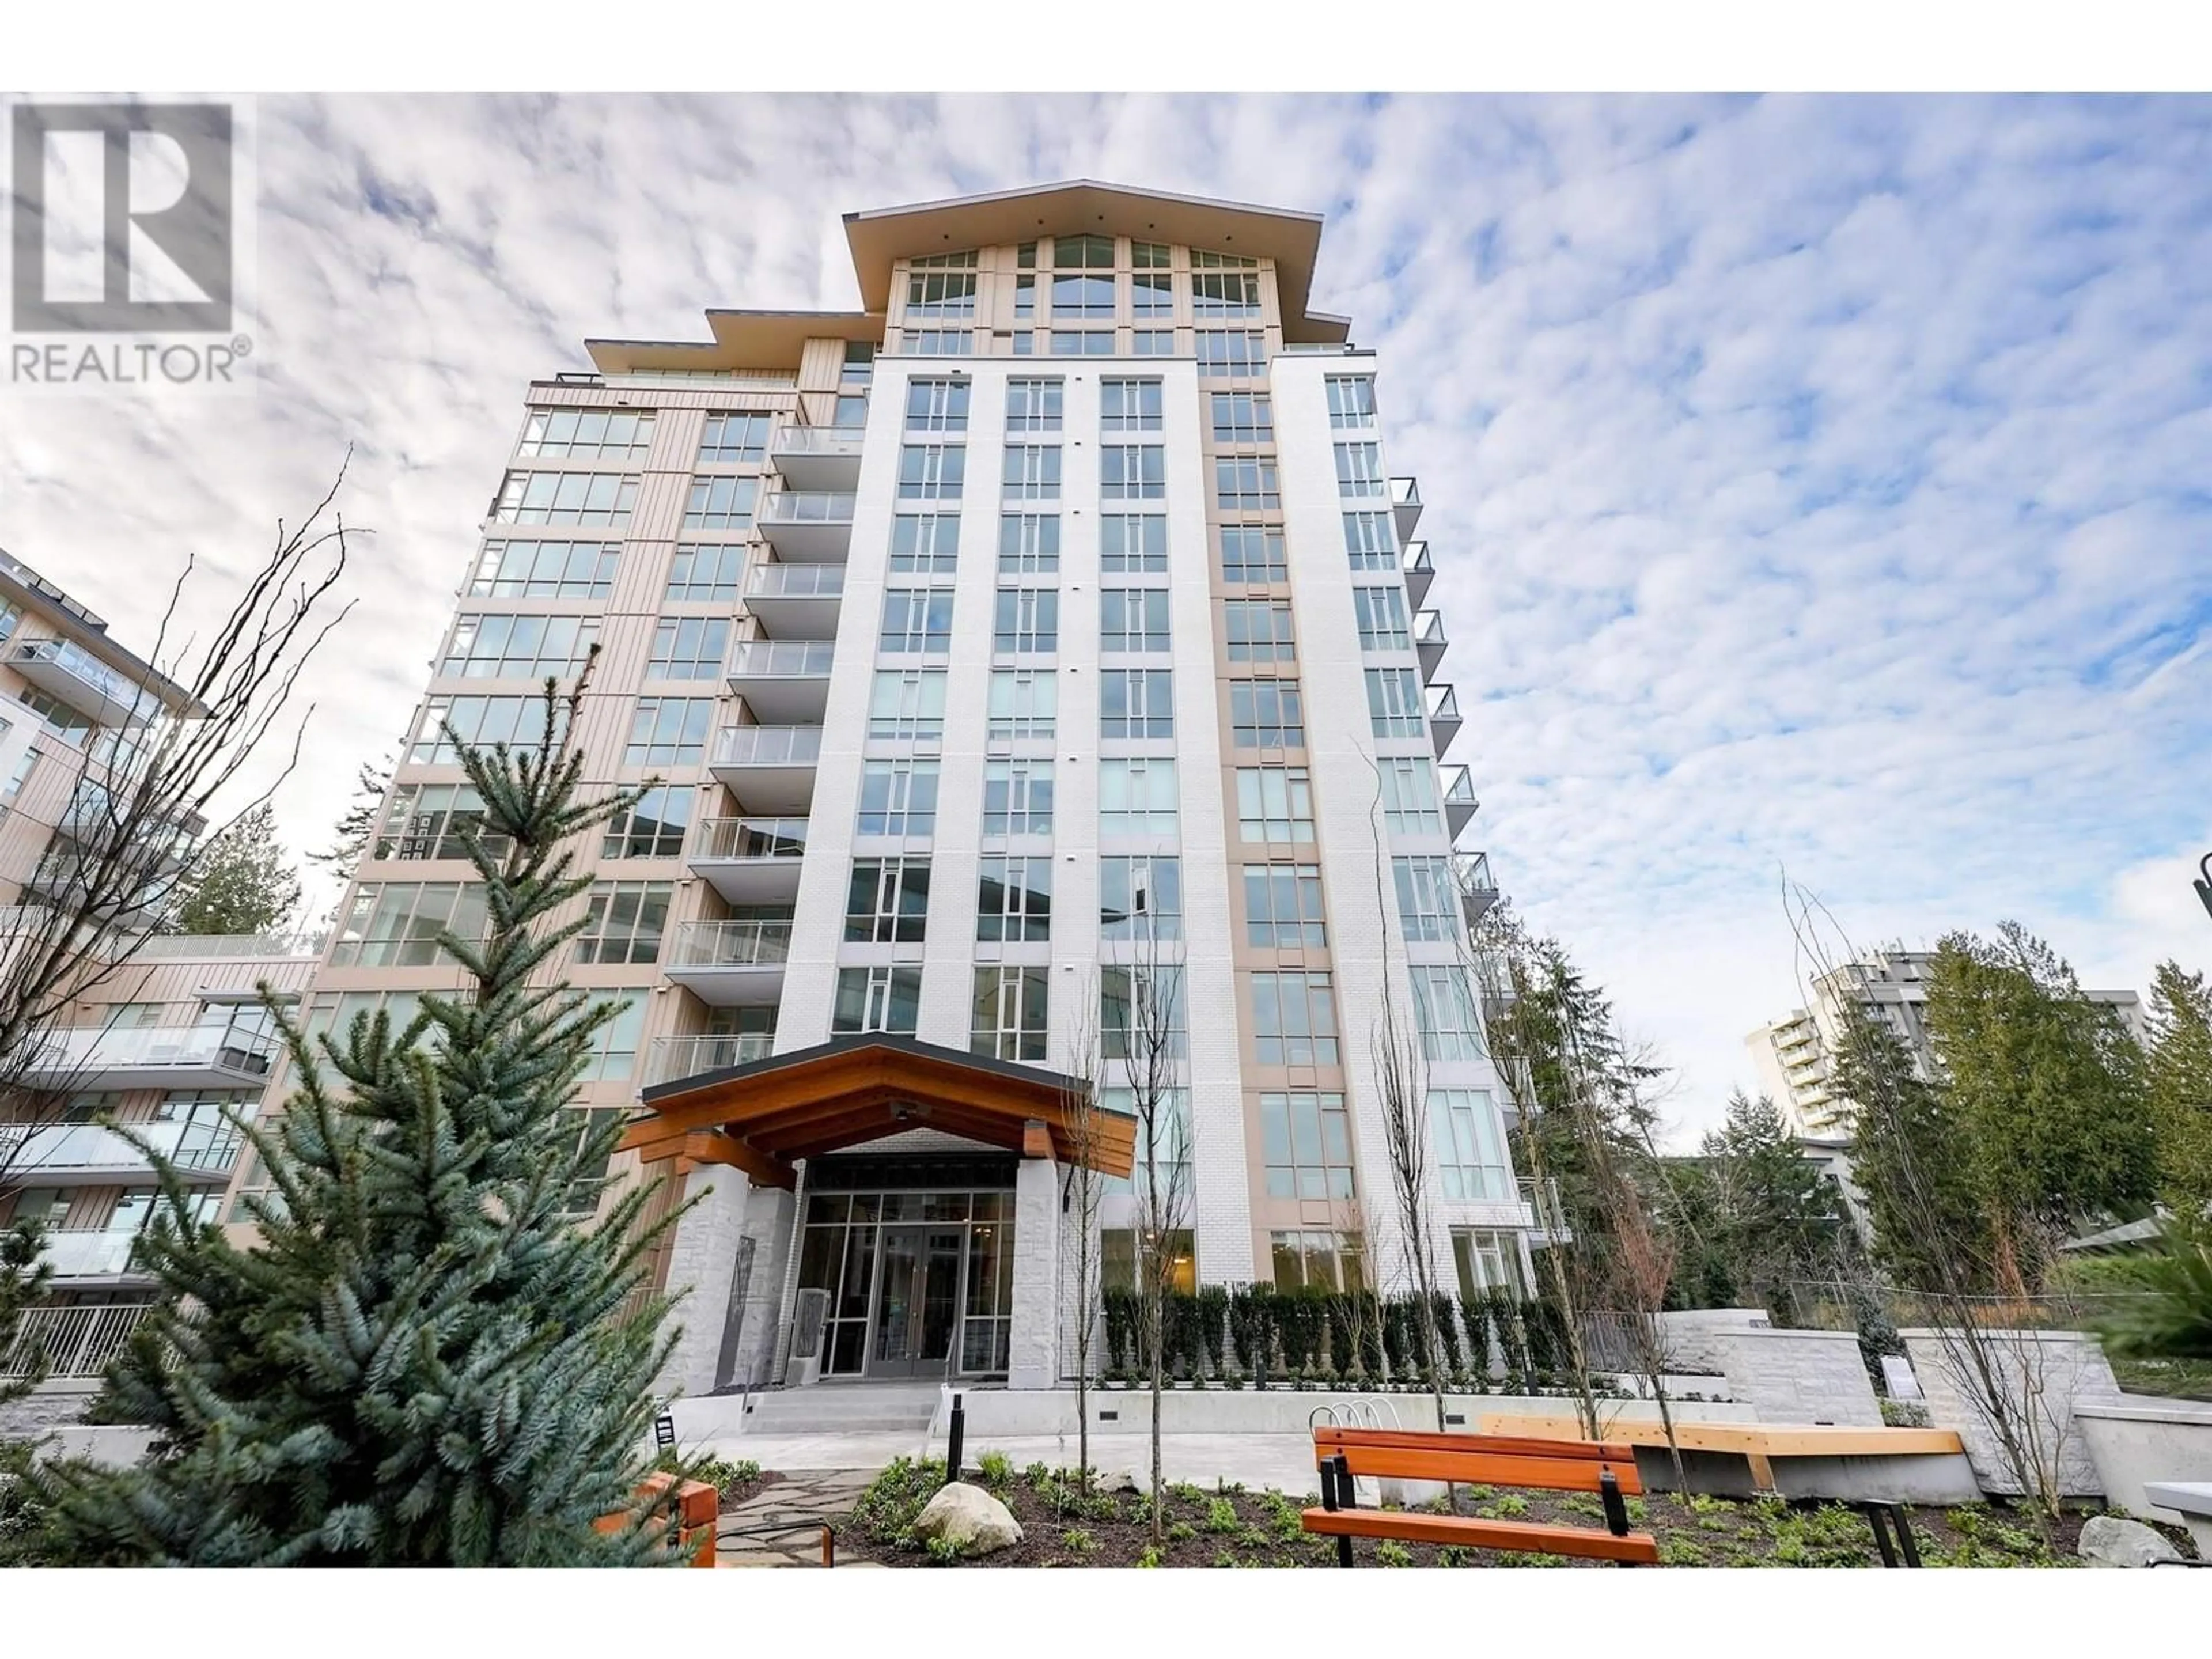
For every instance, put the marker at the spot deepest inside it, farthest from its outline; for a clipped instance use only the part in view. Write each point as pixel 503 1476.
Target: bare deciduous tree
pixel 1080 1202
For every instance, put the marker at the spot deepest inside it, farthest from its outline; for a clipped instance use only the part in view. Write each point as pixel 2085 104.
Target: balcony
pixel 817 458
pixel 153 1057
pixel 729 964
pixel 1429 641
pixel 783 682
pixel 1421 570
pixel 796 601
pixel 66 670
pixel 749 860
pixel 1405 506
pixel 201 1150
pixel 767 770
pixel 1540 1205
pixel 807 526
pixel 77 1342
pixel 90 1255
pixel 678 1057
pixel 1478 890
pixel 1444 717
pixel 1460 804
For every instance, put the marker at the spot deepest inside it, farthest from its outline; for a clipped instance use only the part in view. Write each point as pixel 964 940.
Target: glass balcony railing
pixel 1405 492
pixel 837 442
pixel 1415 560
pixel 1428 629
pixel 781 659
pixel 1459 789
pixel 730 944
pixel 795 582
pixel 85 1053
pixel 90 1254
pixel 806 507
pixel 749 838
pixel 112 689
pixel 1443 706
pixel 689 1056
pixel 768 746
pixel 198 1147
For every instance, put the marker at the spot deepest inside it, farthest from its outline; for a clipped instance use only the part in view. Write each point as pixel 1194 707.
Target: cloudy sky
pixel 1817 485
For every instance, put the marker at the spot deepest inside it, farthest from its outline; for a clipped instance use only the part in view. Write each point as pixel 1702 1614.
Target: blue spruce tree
pixel 422 1360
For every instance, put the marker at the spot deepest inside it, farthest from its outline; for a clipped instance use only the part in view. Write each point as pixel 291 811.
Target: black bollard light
pixel 952 1437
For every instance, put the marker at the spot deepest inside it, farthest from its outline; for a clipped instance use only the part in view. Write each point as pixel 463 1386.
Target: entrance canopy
pixel 763 1116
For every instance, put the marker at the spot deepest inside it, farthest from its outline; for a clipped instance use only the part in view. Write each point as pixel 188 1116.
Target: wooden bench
pixel 1608 1470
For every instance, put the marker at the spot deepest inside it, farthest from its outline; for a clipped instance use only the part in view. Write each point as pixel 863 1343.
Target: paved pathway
pixel 781 1524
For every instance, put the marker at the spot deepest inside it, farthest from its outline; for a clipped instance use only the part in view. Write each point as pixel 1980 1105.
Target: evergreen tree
pixel 243 884
pixel 350 836
pixel 24 1273
pixel 422 1360
pixel 2180 1081
pixel 1751 1214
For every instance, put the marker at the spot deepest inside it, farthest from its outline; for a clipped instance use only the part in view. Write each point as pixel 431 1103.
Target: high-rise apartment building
pixel 1791 1056
pixel 1044 637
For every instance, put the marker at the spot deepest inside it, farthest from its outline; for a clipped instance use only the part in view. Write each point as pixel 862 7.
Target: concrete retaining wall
pixel 49 1406
pixel 2046 1375
pixel 1690 1336
pixel 1018 1411
pixel 1798 1377
pixel 2145 1440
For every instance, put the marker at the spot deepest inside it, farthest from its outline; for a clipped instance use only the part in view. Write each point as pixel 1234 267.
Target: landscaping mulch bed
pixel 1230 1527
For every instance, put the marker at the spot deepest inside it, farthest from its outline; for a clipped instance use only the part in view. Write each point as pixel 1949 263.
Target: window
pixel 1410 806
pixel 1013 900
pixel 1151 293
pixel 1149 256
pixel 397 924
pixel 1470 1149
pixel 931 472
pixel 897 798
pixel 1017 797
pixel 710 571
pixel 937 406
pixel 1231 354
pixel 1141 1013
pixel 432 821
pixel 1428 899
pixel 1487 1261
pixel 1176 1262
pixel 1223 285
pixel 1266 714
pixel 1140 898
pixel 669 731
pixel 546 570
pixel 1083 254
pixel 1137 797
pixel 851 412
pixel 601 499
pixel 1282 907
pixel 1305 1140
pixel 1027 621
pixel 924 543
pixel 1381 615
pixel 57 716
pixel 908 704
pixel 689 649
pixel 1081 294
pixel 1153 342
pixel 519 647
pixel 1136 703
pixel 1359 470
pixel 1028 544
pixel 1133 472
pixel 1394 702
pixel 1033 405
pixel 941 285
pixel 1244 484
pixel 1026 297
pixel 1032 472
pixel 623 921
pixel 887 901
pixel 1252 554
pixel 1133 619
pixel 1351 401
pixel 1243 418
pixel 1129 406
pixel 517 721
pixel 1023 704
pixel 735 440
pixel 1274 804
pixel 916 619
pixel 720 503
pixel 650 827
pixel 939 342
pixel 1008 1017
pixel 588 434
pixel 1132 544
pixel 614 1045
pixel 1294 1019
pixel 860 362
pixel 1318 1261
pixel 1370 542
pixel 1163 1148
pixel 1259 630
pixel 887 1000
pixel 1445 1014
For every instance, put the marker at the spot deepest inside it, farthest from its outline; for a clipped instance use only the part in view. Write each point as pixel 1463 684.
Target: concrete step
pixel 829 1408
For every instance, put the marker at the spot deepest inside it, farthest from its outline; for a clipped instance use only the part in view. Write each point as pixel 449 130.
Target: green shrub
pixel 1221 1516
pixel 1077 1541
pixel 943 1551
pixel 996 1468
pixel 1390 1552
pixel 887 1509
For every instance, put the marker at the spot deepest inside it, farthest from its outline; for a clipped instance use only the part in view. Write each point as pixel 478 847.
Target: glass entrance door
pixel 918 1301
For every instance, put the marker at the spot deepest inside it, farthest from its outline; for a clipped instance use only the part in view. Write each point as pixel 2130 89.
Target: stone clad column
pixel 703 1260
pixel 1035 1341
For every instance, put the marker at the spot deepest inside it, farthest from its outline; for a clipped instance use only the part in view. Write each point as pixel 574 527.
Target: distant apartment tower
pixel 1791 1056
pixel 1052 615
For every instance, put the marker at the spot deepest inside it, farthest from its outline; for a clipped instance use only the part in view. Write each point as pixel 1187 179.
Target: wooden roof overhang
pixel 763 1116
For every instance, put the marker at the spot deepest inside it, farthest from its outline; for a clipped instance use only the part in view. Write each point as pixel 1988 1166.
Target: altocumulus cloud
pixel 1814 482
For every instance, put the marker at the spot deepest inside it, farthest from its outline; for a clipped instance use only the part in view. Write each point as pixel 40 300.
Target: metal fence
pixel 79 1342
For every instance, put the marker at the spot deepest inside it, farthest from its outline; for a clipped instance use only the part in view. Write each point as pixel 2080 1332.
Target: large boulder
pixel 973 1522
pixel 2109 1541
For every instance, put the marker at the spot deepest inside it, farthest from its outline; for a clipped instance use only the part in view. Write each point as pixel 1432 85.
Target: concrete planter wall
pixel 2146 1440
pixel 1798 1377
pixel 47 1406
pixel 1018 1411
pixel 2050 1373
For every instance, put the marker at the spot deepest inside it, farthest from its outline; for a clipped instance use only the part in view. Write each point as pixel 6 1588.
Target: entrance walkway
pixel 782 1526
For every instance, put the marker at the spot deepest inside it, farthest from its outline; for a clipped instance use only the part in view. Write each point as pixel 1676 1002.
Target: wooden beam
pixel 1037 1139
pixel 704 1147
